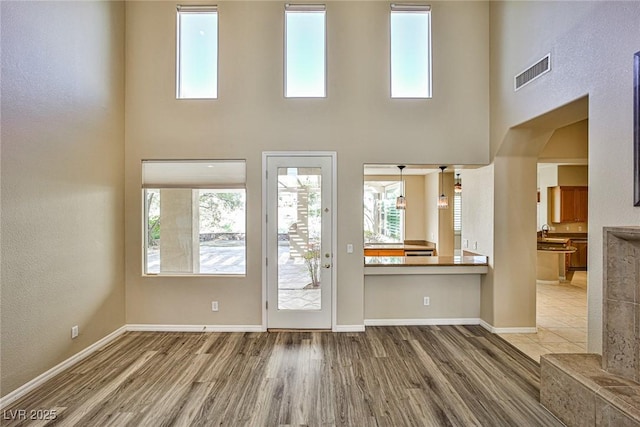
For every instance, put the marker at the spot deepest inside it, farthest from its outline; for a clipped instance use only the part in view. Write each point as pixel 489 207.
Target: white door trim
pixel 334 227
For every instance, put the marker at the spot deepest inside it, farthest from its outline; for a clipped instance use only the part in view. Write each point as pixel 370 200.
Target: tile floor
pixel 561 320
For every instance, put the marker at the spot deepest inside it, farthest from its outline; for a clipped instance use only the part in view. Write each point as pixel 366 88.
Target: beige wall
pixel 573 175
pixel 592 46
pixel 62 180
pixel 478 226
pixel 445 218
pixel 401 298
pixel 432 218
pixel 414 214
pixel 358 120
pixel 568 144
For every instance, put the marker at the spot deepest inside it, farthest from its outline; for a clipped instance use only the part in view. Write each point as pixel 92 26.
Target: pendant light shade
pixel 401 201
pixel 443 200
pixel 458 185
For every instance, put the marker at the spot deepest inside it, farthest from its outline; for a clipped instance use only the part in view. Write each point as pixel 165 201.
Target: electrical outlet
pixel 74 331
pixel 214 305
pixel 426 301
pixel 349 248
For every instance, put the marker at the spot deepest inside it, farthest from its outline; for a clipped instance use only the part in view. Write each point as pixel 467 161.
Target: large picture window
pixel 194 217
pixel 383 223
pixel 197 52
pixel 410 51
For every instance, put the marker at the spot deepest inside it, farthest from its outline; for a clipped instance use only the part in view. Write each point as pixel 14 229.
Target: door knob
pixel 327 266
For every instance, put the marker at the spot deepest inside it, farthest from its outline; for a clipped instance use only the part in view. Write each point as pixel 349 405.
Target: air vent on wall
pixel 530 74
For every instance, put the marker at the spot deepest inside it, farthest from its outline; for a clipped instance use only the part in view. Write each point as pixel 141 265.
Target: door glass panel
pixel 299 238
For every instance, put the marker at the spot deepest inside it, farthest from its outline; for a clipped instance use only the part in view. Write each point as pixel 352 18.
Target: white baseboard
pixel 348 328
pixel 194 328
pixel 45 376
pixel 421 322
pixel 518 330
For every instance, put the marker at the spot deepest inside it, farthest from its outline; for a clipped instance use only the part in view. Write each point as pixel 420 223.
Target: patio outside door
pixel 299 244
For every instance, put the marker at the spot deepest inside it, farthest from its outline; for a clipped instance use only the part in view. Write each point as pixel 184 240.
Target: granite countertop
pixel 557 249
pixel 406 247
pixel 424 261
pixel 578 235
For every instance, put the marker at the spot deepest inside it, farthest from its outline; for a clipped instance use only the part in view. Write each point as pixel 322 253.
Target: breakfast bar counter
pixel 394 265
pixel 423 290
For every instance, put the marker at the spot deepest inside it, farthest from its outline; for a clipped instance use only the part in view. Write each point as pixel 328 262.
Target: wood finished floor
pixel 386 376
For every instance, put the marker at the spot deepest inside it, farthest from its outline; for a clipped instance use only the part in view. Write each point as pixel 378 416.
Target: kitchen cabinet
pixel 579 257
pixel 569 204
pixel 383 252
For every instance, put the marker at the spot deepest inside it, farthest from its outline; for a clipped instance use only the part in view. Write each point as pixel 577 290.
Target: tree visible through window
pixel 195 216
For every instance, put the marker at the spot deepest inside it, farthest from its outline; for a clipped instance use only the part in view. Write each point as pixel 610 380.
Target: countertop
pixel 557 249
pixel 424 261
pixel 406 247
pixel 577 236
pixel 556 244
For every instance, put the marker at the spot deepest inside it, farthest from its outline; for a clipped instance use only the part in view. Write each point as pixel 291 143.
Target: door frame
pixel 334 233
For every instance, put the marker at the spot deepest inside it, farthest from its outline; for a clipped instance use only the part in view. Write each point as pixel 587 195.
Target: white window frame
pixel 411 8
pixel 183 9
pixel 305 8
pixel 234 181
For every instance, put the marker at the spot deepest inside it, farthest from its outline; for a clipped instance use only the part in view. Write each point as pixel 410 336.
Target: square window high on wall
pixel 410 51
pixel 197 52
pixel 194 217
pixel 305 51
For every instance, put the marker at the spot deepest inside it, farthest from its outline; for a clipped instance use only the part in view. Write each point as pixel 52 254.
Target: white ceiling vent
pixel 538 69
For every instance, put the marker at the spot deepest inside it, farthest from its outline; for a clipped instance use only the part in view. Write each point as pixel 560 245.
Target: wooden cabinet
pixel 579 257
pixel 569 204
pixel 384 252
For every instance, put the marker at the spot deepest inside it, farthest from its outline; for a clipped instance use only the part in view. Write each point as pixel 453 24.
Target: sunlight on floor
pixel 561 320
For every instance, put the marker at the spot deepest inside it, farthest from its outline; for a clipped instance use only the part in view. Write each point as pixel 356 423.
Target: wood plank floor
pixel 386 376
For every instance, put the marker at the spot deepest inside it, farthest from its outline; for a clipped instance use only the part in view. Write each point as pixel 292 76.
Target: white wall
pixel 547 177
pixel 592 46
pixel 62 243
pixel 358 120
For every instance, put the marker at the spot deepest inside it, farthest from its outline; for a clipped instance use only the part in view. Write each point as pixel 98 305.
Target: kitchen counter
pixel 400 246
pixel 399 249
pixel 383 265
pixel 423 290
pixel 420 261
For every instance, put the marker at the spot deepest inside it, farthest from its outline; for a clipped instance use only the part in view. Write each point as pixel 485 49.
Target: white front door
pixel 299 226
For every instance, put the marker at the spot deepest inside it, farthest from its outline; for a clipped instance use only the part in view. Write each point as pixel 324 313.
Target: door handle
pixel 327 266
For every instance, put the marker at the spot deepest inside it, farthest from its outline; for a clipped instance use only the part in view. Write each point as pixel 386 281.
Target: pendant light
pixel 401 201
pixel 443 201
pixel 458 185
